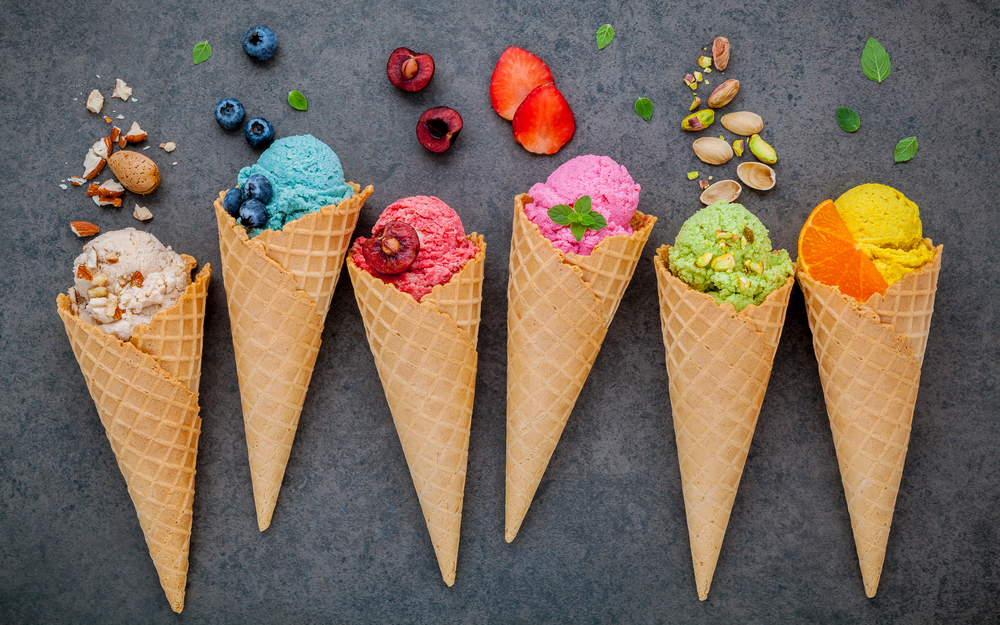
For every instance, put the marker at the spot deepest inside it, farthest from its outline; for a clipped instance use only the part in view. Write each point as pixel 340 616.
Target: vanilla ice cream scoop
pixel 123 277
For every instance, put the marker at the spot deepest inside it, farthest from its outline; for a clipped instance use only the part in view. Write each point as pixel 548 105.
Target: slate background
pixel 606 539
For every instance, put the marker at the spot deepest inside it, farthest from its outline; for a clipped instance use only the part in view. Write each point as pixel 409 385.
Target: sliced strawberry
pixel 516 74
pixel 544 122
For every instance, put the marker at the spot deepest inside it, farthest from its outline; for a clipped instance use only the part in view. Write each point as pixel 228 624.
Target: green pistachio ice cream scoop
pixel 723 250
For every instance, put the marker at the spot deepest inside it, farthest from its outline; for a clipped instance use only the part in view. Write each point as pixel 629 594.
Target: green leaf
pixel 605 35
pixel 578 231
pixel 600 223
pixel 297 100
pixel 875 61
pixel 848 119
pixel 201 52
pixel 582 205
pixel 587 220
pixel 644 108
pixel 905 150
pixel 560 214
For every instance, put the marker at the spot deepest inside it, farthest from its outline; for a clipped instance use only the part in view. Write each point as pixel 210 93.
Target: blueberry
pixel 260 42
pixel 253 213
pixel 257 187
pixel 258 131
pixel 229 113
pixel 231 203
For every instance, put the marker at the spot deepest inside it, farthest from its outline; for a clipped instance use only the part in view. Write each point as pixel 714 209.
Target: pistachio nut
pixel 712 150
pixel 695 103
pixel 692 175
pixel 705 61
pixel 756 176
pixel 690 81
pixel 698 120
pixel 724 262
pixel 703 184
pixel 748 233
pixel 721 191
pixel 762 150
pixel 703 260
pixel 743 123
pixel 720 53
pixel 724 93
pixel 738 147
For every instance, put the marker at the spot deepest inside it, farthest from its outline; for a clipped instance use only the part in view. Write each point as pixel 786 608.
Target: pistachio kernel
pixel 703 260
pixel 703 184
pixel 721 234
pixel 724 263
pixel 692 175
pixel 698 76
pixel 748 233
pixel 705 62
pixel 744 282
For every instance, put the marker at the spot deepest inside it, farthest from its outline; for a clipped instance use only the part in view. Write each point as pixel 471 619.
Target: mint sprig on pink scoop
pixel 580 217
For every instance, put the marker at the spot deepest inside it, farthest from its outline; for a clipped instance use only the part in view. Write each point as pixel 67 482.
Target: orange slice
pixel 828 253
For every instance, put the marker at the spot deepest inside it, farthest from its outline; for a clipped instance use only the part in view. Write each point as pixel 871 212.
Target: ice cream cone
pixel 151 418
pixel 718 364
pixel 559 307
pixel 426 358
pixel 278 290
pixel 869 359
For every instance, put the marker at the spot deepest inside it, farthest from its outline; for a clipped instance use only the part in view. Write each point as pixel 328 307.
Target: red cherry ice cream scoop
pixel 418 242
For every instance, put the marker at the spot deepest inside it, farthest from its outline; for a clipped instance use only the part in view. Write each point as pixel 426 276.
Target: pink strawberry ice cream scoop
pixel 612 193
pixel 443 249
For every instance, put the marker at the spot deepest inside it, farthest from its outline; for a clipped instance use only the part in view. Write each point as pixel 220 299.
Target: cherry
pixel 438 127
pixel 392 249
pixel 409 70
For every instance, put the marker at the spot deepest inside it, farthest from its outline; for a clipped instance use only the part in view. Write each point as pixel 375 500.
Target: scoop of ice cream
pixel 612 193
pixel 444 250
pixel 305 175
pixel 886 226
pixel 123 277
pixel 723 250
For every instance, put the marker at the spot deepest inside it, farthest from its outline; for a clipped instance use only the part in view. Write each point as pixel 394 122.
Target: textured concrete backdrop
pixel 606 539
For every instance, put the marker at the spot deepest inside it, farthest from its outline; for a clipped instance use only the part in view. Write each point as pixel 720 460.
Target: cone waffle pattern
pixel 556 321
pixel 870 376
pixel 152 422
pixel 176 339
pixel 426 358
pixel 718 363
pixel 276 329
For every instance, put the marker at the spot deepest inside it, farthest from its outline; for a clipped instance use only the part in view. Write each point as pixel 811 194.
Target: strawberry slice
pixel 544 122
pixel 516 74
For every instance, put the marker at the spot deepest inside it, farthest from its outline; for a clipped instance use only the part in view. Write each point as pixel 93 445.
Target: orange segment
pixel 828 253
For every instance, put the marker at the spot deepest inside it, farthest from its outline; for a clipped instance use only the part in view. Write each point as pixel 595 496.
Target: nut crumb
pixel 95 101
pixel 169 146
pixel 119 116
pixel 62 186
pixel 142 213
pixel 122 91
pixel 107 119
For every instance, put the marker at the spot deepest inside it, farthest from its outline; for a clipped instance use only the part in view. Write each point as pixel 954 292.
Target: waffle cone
pixel 869 359
pixel 278 290
pixel 426 358
pixel 151 418
pixel 559 307
pixel 718 364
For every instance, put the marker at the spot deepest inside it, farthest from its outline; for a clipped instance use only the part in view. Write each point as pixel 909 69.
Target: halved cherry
pixel 392 249
pixel 438 127
pixel 409 70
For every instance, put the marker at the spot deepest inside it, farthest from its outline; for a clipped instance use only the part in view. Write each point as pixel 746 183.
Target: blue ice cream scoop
pixel 305 175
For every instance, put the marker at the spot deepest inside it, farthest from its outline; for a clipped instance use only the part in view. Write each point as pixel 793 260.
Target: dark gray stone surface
pixel 606 539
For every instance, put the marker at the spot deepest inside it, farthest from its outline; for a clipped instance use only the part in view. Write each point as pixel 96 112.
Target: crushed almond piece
pixel 115 132
pixel 84 229
pixel 122 141
pixel 137 278
pixel 107 119
pixel 135 134
pixel 111 258
pixel 142 213
pixel 95 101
pixel 83 273
pixel 118 312
pixel 76 181
pixel 169 146
pixel 93 190
pixel 110 188
pixel 101 200
pixel 122 91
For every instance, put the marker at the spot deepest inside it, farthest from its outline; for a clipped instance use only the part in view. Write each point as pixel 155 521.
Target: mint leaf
pixel 201 52
pixel 605 35
pixel 644 108
pixel 600 223
pixel 848 119
pixel 582 205
pixel 578 231
pixel 905 150
pixel 560 214
pixel 875 61
pixel 297 100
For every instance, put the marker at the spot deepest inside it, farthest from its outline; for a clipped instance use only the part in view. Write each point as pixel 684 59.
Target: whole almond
pixel 724 93
pixel 720 53
pixel 137 172
pixel 713 150
pixel 743 123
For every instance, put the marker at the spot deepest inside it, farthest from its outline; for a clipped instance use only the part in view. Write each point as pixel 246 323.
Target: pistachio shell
pixel 724 190
pixel 712 150
pixel 137 172
pixel 756 175
pixel 742 123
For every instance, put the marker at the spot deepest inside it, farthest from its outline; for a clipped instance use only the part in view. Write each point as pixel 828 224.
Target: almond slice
pixel 135 134
pixel 115 131
pixel 83 229
pixel 92 165
pixel 110 188
pixel 107 119
pixel 76 181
